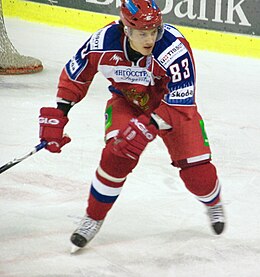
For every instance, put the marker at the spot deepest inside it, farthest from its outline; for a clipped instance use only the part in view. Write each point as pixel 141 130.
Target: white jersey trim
pixel 198 158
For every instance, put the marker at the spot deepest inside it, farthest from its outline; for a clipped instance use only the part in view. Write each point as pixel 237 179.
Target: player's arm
pixel 74 82
pixel 181 88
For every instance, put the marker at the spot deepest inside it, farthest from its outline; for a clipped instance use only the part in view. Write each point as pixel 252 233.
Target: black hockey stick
pixel 16 161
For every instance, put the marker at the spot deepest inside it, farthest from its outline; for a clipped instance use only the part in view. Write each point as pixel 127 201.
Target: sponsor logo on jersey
pixel 133 76
pixel 73 65
pixel 116 58
pixel 173 52
pixel 97 40
pixel 182 93
pixel 127 74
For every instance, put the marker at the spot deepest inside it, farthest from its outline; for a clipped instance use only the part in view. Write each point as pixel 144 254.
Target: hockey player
pixel 151 70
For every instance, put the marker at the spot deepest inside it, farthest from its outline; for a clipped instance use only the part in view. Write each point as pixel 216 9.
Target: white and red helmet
pixel 141 15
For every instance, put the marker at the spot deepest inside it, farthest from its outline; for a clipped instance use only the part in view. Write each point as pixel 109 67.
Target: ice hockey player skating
pixel 152 77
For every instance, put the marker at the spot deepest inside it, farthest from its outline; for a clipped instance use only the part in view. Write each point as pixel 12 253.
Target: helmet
pixel 140 14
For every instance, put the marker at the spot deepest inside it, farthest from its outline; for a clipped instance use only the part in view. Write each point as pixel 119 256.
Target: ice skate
pixel 217 219
pixel 86 231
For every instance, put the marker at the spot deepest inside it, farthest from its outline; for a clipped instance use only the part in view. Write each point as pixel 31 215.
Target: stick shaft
pixel 18 160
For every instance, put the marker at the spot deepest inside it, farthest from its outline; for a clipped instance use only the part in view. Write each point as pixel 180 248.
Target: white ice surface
pixel 156 228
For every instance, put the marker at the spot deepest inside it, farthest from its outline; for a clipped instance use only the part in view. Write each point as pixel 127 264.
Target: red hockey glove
pixel 52 122
pixel 132 141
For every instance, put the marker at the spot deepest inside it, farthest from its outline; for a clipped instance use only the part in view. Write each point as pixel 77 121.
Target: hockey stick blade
pixel 18 160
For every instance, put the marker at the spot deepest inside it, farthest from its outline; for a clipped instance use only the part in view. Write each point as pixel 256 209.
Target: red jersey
pixel 167 75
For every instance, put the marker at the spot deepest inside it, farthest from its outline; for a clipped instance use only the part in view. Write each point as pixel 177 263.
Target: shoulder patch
pixel 171 53
pixel 97 39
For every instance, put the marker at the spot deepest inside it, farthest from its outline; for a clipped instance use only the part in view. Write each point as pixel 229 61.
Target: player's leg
pixel 189 149
pixel 110 174
pixel 202 181
pixel 113 170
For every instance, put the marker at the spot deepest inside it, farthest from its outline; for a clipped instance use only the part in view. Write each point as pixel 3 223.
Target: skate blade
pixel 74 249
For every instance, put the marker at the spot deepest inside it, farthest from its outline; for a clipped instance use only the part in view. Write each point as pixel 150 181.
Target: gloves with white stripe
pixel 131 141
pixel 52 122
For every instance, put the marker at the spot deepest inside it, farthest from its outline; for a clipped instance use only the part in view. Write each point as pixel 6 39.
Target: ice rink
pixel 156 228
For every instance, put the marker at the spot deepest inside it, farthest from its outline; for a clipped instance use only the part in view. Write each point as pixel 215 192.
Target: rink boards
pixel 202 39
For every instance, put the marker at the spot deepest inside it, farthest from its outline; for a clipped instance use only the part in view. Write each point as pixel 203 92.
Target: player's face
pixel 143 41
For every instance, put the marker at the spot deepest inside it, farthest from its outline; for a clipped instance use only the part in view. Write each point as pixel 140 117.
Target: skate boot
pixel 86 231
pixel 216 216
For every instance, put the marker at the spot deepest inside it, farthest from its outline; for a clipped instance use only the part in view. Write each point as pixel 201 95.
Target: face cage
pixel 160 29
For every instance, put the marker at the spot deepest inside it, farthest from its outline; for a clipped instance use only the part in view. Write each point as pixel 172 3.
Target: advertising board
pixel 235 16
